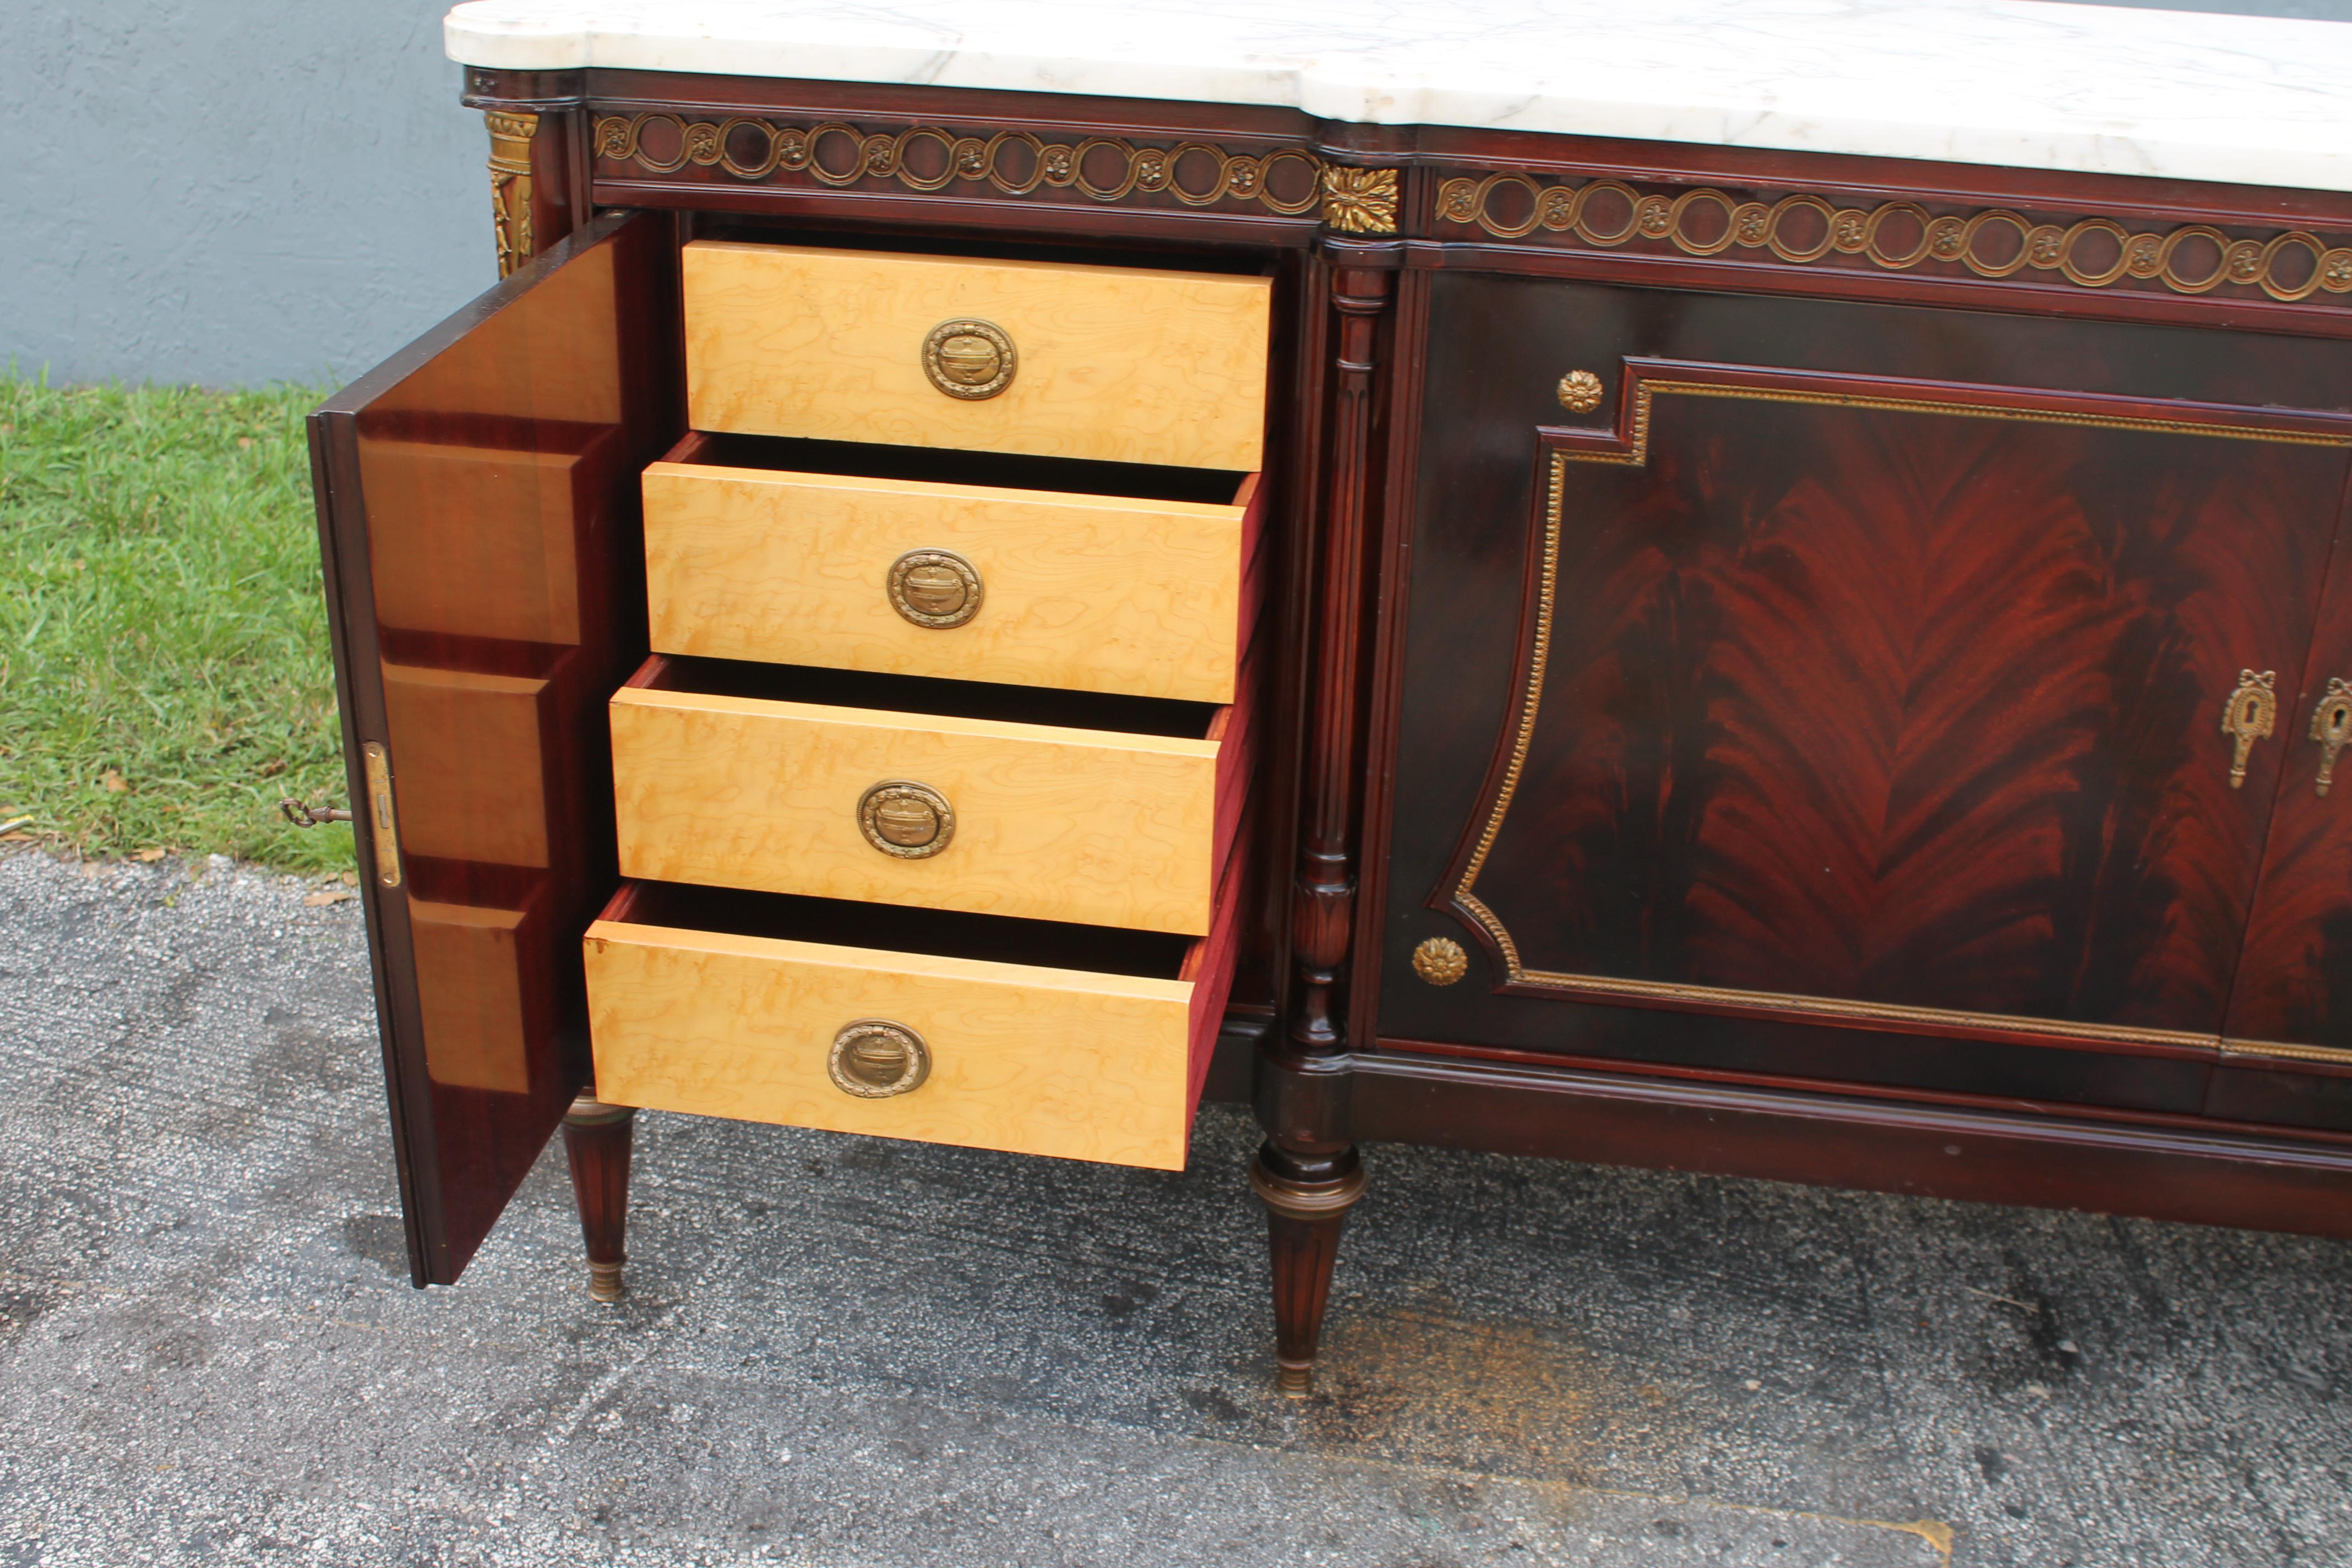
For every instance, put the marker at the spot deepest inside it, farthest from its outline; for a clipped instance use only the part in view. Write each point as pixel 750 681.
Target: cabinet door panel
pixel 2292 1001
pixel 477 500
pixel 1847 691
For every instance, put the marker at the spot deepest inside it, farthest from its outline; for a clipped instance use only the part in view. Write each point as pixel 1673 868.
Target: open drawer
pixel 1123 363
pixel 1092 576
pixel 1024 1035
pixel 1056 806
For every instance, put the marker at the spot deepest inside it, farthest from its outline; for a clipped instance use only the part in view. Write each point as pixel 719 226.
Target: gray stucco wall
pixel 237 192
pixel 232 192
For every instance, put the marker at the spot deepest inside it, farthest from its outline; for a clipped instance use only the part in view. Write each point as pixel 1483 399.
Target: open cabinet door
pixel 479 518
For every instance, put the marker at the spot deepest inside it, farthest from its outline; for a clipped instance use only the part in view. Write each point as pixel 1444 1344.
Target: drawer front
pixel 1085 593
pixel 1034 1061
pixel 1048 824
pixel 1107 362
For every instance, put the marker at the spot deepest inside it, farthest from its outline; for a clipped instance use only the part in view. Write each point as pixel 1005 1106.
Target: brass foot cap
pixel 1294 1381
pixel 604 1282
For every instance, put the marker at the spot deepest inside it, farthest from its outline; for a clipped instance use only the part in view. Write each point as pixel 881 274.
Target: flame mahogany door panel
pixel 1844 695
pixel 477 505
pixel 2287 1047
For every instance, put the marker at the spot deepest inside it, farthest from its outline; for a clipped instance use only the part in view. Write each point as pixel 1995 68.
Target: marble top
pixel 2022 83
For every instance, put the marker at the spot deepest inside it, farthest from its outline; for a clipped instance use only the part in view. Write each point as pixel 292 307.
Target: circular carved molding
pixel 934 588
pixel 1579 392
pixel 968 358
pixel 1441 961
pixel 875 1059
pixel 912 821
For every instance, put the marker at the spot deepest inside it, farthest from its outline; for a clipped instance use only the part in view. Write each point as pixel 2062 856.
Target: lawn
pixel 164 676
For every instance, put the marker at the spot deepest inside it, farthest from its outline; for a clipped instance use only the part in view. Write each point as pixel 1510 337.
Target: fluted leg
pixel 1307 1197
pixel 597 1138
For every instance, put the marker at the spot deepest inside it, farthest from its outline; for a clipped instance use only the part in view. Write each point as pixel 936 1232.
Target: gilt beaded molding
pixel 1896 235
pixel 1290 182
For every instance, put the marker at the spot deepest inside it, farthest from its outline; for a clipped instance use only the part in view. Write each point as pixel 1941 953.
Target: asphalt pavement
pixel 852 1353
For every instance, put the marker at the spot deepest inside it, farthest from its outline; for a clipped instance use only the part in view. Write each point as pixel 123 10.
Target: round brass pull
pixel 909 820
pixel 968 358
pixel 935 588
pixel 875 1059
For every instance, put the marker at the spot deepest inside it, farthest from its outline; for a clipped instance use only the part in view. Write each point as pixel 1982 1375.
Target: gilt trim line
pixel 2336 1055
pixel 1994 243
pixel 1011 162
pixel 1604 988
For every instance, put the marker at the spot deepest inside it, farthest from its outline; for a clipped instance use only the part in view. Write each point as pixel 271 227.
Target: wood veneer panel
pixel 1052 821
pixel 493 552
pixel 1951 681
pixel 472 972
pixel 1090 592
pixel 1083 1064
pixel 478 499
pixel 1114 363
pixel 1046 1038
pixel 466 740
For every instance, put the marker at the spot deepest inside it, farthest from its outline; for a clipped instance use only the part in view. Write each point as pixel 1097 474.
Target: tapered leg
pixel 597 1138
pixel 1307 1197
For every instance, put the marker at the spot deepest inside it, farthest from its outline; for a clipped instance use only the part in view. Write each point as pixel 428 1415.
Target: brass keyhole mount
pixel 900 817
pixel 934 588
pixel 968 358
pixel 2331 726
pixel 2250 713
pixel 875 1059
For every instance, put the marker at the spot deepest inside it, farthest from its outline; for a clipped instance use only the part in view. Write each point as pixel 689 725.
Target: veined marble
pixel 2021 83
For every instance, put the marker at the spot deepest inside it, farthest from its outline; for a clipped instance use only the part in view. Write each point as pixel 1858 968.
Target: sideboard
pixel 925 607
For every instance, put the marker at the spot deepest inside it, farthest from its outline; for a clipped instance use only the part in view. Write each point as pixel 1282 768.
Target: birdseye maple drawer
pixel 1023 1036
pixel 1060 806
pixel 1120 363
pixel 1140 591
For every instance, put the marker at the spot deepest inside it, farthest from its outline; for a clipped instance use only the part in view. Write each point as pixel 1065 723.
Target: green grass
pixel 163 667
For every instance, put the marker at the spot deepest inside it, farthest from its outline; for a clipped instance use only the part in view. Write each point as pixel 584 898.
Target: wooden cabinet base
pixel 2167 1168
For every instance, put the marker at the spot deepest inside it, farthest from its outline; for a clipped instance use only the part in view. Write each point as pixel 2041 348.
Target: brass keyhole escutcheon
pixel 2250 713
pixel 912 821
pixel 875 1059
pixel 935 588
pixel 968 358
pixel 2331 726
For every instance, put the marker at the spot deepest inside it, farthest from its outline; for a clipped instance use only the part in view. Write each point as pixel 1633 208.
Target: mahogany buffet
pixel 1555 583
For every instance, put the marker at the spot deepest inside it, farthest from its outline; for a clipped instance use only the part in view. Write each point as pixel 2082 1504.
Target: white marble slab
pixel 2023 83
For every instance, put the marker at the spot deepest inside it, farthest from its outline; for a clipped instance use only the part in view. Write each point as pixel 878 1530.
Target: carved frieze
pixel 1894 235
pixel 923 158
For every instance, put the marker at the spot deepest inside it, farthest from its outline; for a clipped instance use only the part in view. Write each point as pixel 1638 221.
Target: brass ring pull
pixel 2331 726
pixel 912 821
pixel 2250 713
pixel 934 588
pixel 968 358
pixel 875 1059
